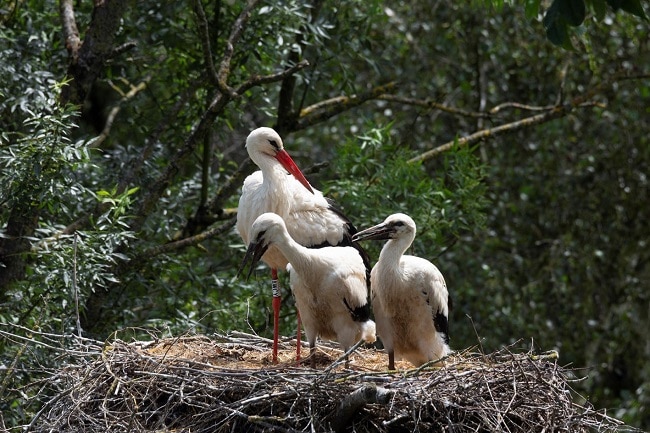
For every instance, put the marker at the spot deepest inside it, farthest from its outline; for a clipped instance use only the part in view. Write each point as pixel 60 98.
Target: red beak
pixel 283 157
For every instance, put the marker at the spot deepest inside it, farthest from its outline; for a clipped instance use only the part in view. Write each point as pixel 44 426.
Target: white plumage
pixel 310 217
pixel 329 284
pixel 409 296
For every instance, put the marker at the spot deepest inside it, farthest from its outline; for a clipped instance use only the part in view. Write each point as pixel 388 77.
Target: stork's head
pixel 265 145
pixel 267 229
pixel 396 226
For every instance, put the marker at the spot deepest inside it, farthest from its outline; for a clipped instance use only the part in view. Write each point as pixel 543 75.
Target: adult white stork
pixel 311 219
pixel 409 296
pixel 329 284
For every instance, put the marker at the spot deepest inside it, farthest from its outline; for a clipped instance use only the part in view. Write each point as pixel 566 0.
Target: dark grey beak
pixel 254 253
pixel 379 232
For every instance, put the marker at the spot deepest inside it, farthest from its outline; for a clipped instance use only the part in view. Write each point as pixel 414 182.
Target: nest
pixel 228 384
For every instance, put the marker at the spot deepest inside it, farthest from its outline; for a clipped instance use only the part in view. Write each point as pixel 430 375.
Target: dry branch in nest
pixel 227 384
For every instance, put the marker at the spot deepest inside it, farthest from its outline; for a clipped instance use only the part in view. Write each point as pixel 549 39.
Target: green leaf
pixel 559 16
pixel 574 11
pixel 570 12
pixel 631 6
pixel 600 8
pixel 532 9
pixel 556 28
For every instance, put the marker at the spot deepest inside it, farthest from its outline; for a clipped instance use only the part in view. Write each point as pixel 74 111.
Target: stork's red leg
pixel 298 346
pixel 276 312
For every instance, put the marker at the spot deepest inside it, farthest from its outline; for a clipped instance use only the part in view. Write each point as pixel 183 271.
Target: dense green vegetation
pixel 524 164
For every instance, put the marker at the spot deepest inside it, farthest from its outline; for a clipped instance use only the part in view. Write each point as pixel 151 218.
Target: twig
pixel 322 111
pixel 187 242
pixel 343 357
pixel 235 34
pixel 427 103
pixel 99 140
pixel 74 285
pixel 557 112
pixel 552 113
pixel 204 35
pixel 519 106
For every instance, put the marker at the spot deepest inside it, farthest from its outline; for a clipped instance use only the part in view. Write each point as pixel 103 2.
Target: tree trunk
pixel 15 244
pixel 87 59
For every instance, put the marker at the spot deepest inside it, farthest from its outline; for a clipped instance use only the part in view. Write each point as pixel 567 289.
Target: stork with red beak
pixel 280 187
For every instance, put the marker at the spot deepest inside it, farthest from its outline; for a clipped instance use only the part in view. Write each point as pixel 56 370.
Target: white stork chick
pixel 409 296
pixel 329 284
pixel 311 218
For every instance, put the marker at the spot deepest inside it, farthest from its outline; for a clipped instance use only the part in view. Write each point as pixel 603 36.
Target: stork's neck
pixel 296 254
pixel 276 185
pixel 394 249
pixel 270 166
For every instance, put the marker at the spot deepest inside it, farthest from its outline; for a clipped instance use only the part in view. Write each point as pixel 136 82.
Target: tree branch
pixel 215 206
pixel 97 46
pixel 70 31
pixel 555 112
pixel 287 115
pixel 257 80
pixel 367 394
pixel 120 49
pixel 184 243
pixel 519 106
pixel 116 109
pixel 235 34
pixel 204 35
pixel 155 190
pixel 326 109
pixel 427 103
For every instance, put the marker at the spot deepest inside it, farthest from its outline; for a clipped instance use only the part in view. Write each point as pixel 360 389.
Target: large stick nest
pixel 228 384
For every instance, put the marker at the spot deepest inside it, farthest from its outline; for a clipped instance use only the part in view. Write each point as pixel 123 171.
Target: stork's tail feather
pixel 368 331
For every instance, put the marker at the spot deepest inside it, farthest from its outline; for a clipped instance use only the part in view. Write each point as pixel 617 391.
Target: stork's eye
pixel 275 144
pixel 260 235
pixel 398 224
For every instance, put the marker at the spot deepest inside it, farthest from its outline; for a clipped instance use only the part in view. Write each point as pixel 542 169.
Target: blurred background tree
pixel 525 166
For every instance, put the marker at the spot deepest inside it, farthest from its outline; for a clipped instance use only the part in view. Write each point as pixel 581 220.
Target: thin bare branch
pixel 427 103
pixel 257 80
pixel 322 111
pixel 581 101
pixel 121 49
pixel 228 188
pixel 492 132
pixel 519 106
pixel 235 35
pixel 134 90
pixel 187 242
pixel 204 35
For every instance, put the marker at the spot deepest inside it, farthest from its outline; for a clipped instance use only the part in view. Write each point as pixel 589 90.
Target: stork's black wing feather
pixel 350 230
pixel 441 322
pixel 359 314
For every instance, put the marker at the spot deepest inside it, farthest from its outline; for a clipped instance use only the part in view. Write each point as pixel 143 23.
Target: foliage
pixel 380 180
